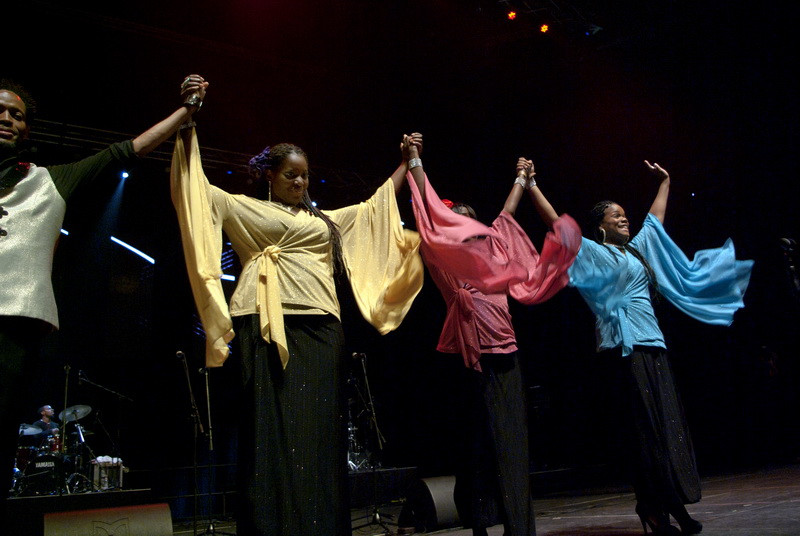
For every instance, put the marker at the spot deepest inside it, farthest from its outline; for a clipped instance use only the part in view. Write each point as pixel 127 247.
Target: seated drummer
pixel 47 423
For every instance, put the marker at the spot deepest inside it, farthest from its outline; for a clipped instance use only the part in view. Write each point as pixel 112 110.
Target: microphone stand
pixel 210 529
pixel 62 481
pixel 82 378
pixel 375 516
pixel 198 428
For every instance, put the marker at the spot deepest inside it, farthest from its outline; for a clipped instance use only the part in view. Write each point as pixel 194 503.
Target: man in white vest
pixel 32 206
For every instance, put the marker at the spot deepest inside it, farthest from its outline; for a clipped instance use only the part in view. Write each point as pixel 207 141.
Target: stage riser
pixel 25 515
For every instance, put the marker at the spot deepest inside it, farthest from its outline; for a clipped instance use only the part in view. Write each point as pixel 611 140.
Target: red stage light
pixel 512 15
pixel 543 28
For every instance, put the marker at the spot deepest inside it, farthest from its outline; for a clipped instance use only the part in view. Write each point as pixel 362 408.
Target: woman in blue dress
pixel 618 276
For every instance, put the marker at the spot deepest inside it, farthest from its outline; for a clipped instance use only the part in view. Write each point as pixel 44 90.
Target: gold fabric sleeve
pixel 201 235
pixel 382 258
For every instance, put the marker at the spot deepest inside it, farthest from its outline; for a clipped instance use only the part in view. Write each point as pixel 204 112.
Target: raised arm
pixel 659 206
pixel 540 202
pixel 399 175
pixel 519 186
pixel 193 89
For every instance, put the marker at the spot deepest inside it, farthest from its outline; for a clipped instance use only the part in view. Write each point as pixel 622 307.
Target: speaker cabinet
pixel 430 505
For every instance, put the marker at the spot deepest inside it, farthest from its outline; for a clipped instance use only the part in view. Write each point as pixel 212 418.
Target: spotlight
pixel 124 175
pixel 544 28
pixel 512 15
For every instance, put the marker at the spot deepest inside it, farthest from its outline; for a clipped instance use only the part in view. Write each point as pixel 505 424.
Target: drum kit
pixel 55 461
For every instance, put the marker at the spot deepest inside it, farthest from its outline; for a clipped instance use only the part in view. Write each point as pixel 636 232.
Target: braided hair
pixel 596 216
pixel 272 158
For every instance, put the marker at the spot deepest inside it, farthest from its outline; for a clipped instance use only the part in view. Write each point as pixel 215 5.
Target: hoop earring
pixel 603 231
pixel 269 191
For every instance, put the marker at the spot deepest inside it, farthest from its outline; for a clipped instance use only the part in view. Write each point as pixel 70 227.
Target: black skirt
pixel 292 457
pixel 665 470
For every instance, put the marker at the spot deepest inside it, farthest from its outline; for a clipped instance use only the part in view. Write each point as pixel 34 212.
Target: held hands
pixel 193 90
pixel 658 171
pixel 411 146
pixel 525 173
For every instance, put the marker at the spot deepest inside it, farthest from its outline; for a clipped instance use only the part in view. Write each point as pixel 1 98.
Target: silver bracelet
pixel 414 162
pixel 531 182
pixel 522 181
pixel 188 124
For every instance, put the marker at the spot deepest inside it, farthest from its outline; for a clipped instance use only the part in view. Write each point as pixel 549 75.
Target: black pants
pixel 494 483
pixel 20 344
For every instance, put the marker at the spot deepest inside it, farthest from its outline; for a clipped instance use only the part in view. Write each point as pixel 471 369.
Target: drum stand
pixel 78 479
pixel 375 517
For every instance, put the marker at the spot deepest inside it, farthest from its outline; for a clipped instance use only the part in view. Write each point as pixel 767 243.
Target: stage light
pixel 314 203
pixel 230 172
pixel 124 175
pixel 543 28
pixel 227 277
pixel 322 181
pixel 64 232
pixel 512 15
pixel 129 247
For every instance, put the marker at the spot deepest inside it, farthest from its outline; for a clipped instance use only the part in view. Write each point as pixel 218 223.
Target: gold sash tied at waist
pixel 268 300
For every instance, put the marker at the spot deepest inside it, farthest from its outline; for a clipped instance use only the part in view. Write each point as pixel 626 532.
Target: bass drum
pixel 42 476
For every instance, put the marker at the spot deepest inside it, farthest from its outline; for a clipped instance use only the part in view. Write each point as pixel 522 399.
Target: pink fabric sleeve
pixel 448 243
pixel 505 261
pixel 547 271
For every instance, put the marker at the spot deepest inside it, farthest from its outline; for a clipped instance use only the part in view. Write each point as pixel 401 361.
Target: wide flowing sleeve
pixel 201 234
pixel 476 253
pixel 381 257
pixel 710 287
pixel 547 271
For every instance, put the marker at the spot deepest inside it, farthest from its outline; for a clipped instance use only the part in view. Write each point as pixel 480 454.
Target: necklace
pixel 287 208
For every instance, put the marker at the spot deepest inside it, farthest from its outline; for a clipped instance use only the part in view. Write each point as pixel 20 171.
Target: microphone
pixel 357 355
pixel 179 354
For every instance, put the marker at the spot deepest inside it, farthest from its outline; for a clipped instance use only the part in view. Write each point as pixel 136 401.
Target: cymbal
pixel 29 429
pixel 73 413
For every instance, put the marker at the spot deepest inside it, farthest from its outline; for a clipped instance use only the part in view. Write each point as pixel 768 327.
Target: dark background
pixel 708 90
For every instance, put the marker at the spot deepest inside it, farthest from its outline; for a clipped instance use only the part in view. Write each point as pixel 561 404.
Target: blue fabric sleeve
pixel 709 288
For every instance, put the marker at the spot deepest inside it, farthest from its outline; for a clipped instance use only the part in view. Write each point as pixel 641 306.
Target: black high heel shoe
pixel 658 523
pixel 688 524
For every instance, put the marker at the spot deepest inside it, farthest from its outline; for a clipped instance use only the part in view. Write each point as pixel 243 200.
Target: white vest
pixel 33 223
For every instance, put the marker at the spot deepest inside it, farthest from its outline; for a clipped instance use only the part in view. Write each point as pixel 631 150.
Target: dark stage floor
pixel 760 503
